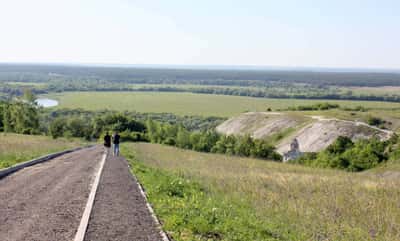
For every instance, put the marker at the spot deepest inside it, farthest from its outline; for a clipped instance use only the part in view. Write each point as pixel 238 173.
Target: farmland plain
pixel 191 104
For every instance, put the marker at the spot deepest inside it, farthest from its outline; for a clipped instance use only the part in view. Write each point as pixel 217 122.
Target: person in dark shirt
pixel 107 141
pixel 116 138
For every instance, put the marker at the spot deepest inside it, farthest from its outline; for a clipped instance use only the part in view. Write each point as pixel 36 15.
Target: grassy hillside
pixel 216 197
pixel 16 148
pixel 188 103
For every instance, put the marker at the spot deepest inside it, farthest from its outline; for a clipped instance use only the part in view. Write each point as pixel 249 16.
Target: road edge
pixel 163 234
pixel 9 170
pixel 80 233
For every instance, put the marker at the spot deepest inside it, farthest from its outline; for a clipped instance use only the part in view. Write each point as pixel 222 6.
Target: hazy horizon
pixel 211 67
pixel 360 35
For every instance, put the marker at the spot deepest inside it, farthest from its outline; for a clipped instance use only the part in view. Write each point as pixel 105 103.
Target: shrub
pixel 375 121
pixel 344 154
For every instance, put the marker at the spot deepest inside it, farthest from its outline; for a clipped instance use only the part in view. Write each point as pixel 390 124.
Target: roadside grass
pixel 189 103
pixel 201 196
pixel 15 148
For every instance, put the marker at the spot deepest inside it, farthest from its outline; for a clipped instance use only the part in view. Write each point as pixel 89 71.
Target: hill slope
pixel 238 198
pixel 314 133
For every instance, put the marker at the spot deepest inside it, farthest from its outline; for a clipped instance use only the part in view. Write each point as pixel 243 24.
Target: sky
pixel 285 33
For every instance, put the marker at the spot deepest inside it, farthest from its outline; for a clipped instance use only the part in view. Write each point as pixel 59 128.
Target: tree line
pixel 163 133
pixel 210 141
pixel 206 76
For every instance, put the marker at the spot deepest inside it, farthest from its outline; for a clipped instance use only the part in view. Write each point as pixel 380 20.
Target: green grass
pixel 17 148
pixel 202 196
pixel 188 103
pixel 385 90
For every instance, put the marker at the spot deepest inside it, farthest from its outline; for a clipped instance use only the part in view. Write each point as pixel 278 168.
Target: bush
pixel 210 141
pixel 344 154
pixel 318 106
pixel 375 121
pixel 133 136
pixel 57 127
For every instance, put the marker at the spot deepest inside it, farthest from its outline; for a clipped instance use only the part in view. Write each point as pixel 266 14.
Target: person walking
pixel 116 138
pixel 107 141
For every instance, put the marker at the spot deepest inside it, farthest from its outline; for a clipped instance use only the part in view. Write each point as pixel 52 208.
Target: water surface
pixel 45 102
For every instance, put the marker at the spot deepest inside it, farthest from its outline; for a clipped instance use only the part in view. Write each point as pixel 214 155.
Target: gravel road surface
pixel 119 211
pixel 46 201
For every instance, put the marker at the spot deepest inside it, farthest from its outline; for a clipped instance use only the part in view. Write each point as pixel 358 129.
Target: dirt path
pixel 46 201
pixel 357 123
pixel 120 211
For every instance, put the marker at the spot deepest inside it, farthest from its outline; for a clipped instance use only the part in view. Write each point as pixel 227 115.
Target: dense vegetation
pixel 86 74
pixel 156 132
pixel 92 124
pixel 210 141
pixel 317 106
pixel 347 155
pixel 20 116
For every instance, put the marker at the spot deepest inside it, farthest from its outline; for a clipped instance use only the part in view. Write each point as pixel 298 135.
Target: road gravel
pixel 46 201
pixel 120 211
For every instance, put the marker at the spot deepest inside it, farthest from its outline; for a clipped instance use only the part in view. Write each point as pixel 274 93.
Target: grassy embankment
pixel 192 104
pixel 202 196
pixel 17 148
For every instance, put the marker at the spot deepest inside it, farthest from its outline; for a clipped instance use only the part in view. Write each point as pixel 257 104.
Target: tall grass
pixel 15 148
pixel 294 202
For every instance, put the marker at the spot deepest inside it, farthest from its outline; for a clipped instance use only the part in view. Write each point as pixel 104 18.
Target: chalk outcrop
pixel 258 124
pixel 312 133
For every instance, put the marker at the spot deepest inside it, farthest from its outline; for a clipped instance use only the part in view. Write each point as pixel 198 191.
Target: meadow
pixel 202 196
pixel 17 148
pixel 191 104
pixel 381 90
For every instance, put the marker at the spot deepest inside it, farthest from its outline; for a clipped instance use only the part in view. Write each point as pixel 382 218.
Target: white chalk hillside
pixel 313 133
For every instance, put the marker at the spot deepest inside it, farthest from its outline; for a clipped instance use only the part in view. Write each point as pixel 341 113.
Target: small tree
pixel 29 96
pixel 57 127
pixel 341 144
pixel 183 138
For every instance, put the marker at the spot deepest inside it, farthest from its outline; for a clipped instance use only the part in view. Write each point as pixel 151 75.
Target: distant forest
pixel 254 83
pixel 45 73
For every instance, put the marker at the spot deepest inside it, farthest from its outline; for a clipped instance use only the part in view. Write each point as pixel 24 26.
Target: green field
pixel 17 148
pixel 383 90
pixel 202 196
pixel 188 103
pixel 27 84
